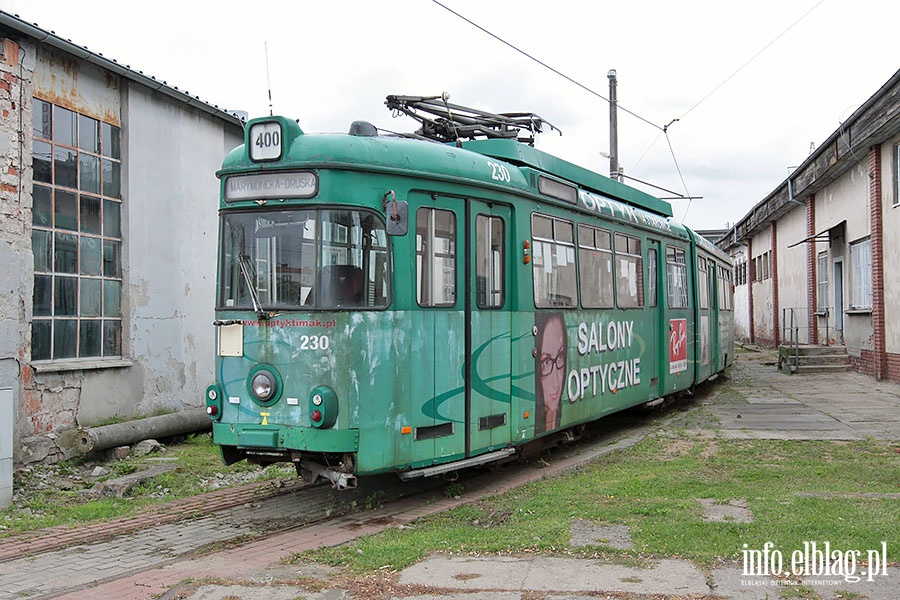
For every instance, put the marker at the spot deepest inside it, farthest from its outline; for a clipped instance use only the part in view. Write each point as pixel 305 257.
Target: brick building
pixel 813 259
pixel 108 202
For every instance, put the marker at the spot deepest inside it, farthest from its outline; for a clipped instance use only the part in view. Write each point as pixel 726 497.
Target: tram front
pixel 302 287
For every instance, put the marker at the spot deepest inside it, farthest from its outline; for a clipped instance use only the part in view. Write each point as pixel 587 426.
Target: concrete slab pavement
pixel 767 405
pixel 757 402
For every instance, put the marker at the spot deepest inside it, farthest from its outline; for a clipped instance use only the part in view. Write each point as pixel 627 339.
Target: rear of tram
pixel 304 278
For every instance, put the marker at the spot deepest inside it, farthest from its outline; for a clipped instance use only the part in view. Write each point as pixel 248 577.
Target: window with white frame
pixel 861 274
pixel 896 200
pixel 76 236
pixel 822 276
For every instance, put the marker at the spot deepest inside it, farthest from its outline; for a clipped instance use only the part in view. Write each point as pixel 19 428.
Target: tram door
pixel 714 308
pixel 655 355
pixel 437 371
pixel 461 330
pixel 488 322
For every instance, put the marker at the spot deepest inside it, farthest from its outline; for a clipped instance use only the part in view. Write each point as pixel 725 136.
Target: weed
pixel 49 495
pixel 657 500
pixel 454 490
pixel 375 499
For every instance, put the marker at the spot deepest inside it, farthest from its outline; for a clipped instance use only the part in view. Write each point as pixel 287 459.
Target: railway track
pixel 250 520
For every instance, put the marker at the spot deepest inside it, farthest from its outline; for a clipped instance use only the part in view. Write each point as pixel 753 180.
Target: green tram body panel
pixel 413 386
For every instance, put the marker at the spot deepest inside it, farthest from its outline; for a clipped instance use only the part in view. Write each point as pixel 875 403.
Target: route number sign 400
pixel 265 141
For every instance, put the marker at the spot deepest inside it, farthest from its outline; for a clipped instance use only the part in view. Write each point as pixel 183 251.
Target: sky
pixel 718 99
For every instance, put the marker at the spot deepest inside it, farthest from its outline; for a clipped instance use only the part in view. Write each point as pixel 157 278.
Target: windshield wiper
pixel 244 264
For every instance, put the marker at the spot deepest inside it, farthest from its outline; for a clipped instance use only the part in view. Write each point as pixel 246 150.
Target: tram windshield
pixel 304 259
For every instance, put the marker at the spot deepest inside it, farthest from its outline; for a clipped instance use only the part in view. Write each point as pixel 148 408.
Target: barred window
pixel 76 236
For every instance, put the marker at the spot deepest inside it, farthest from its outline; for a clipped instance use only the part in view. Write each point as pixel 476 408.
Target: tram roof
pixel 393 153
pixel 521 154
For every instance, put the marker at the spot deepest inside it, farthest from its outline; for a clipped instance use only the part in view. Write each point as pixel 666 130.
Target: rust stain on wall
pixel 65 83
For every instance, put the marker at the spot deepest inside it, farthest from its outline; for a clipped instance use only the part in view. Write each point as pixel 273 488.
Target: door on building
pixel 839 300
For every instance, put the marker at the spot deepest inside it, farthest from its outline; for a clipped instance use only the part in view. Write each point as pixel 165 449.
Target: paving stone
pixel 587 533
pixel 733 511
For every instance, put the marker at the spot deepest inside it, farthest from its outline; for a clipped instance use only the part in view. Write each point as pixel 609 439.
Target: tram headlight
pixel 264 385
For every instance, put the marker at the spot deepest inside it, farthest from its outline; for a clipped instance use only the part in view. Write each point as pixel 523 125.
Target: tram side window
pixel 553 257
pixel 726 299
pixel 435 257
pixel 676 277
pixel 651 276
pixel 489 260
pixel 595 265
pixel 629 272
pixel 703 281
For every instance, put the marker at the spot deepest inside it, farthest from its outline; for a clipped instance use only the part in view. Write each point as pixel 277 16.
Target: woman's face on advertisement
pixel 553 358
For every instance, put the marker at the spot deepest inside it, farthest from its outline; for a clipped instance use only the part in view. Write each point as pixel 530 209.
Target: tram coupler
pixel 339 480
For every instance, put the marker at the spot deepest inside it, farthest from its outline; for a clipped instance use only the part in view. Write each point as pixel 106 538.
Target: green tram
pixel 398 304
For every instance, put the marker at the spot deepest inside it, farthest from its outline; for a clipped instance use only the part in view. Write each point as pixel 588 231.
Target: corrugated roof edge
pixel 16 23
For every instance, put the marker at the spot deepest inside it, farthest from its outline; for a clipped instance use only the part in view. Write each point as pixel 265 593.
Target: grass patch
pixel 50 495
pixel 654 491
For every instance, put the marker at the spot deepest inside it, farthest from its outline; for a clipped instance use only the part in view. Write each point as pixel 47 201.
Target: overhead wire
pixel 664 130
pixel 722 84
pixel 545 65
pixel 752 58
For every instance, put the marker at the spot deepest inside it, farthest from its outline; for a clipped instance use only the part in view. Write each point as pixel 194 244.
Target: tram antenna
pixel 268 79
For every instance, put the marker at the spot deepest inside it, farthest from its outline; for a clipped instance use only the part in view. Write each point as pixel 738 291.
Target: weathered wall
pixel 741 295
pixel 763 300
pixel 847 199
pixel 52 398
pixel 890 205
pixel 16 65
pixel 16 260
pixel 171 232
pixel 170 152
pixel 792 271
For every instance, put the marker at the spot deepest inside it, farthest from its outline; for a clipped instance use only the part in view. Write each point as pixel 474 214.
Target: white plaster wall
pixel 172 153
pixel 847 199
pixel 763 325
pixel 891 231
pixel 741 296
pixel 792 270
pixel 741 312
